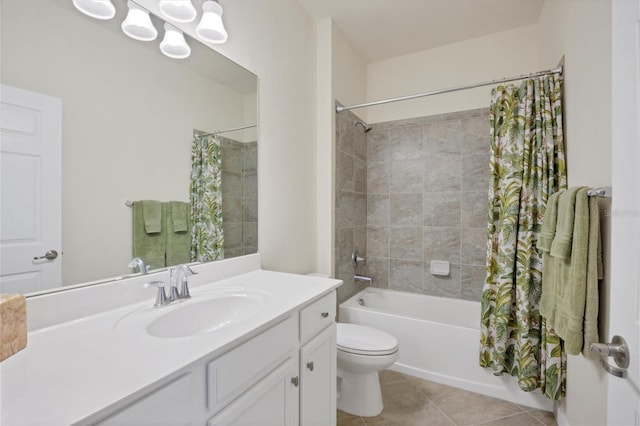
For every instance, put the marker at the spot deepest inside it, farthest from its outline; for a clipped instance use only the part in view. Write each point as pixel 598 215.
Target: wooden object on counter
pixel 13 324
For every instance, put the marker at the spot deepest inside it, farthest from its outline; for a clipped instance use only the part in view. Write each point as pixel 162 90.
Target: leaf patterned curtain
pixel 207 238
pixel 527 166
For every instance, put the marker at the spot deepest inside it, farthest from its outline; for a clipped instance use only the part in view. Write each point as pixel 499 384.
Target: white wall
pixel 341 77
pixel 348 73
pixel 325 162
pixel 477 60
pixel 128 119
pixel 581 31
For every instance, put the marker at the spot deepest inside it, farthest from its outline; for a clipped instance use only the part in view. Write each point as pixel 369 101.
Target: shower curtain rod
pixel 450 89
pixel 227 130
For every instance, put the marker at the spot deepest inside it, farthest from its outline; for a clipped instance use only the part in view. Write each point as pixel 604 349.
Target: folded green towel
pixel 179 215
pixel 561 245
pixel 178 242
pixel 594 273
pixel 548 230
pixel 149 247
pixel 152 214
pixel 570 306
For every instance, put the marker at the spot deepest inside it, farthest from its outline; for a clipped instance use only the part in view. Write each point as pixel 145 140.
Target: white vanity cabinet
pixel 301 390
pixel 318 363
pixel 284 376
pixel 318 379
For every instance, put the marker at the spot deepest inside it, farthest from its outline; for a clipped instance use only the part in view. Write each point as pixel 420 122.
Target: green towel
pixel 149 247
pixel 178 241
pixel 561 245
pixel 594 273
pixel 179 216
pixel 548 230
pixel 152 215
pixel 569 299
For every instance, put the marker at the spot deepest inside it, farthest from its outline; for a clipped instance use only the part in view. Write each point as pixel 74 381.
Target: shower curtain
pixel 207 238
pixel 527 166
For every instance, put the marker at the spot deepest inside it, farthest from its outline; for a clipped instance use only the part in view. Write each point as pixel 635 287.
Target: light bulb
pixel 211 28
pixel 99 9
pixel 137 24
pixel 173 44
pixel 178 10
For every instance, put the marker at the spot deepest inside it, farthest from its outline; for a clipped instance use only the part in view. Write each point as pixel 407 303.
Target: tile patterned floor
pixel 409 401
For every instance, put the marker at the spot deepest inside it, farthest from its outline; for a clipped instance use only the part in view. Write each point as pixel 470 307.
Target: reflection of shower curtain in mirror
pixel 527 166
pixel 207 239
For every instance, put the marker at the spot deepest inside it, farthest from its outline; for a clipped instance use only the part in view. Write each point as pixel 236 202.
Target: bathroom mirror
pixel 128 118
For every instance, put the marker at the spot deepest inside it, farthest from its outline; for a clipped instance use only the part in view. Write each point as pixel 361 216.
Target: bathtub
pixel 438 339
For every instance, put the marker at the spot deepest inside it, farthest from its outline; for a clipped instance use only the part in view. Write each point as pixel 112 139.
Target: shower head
pixel 365 126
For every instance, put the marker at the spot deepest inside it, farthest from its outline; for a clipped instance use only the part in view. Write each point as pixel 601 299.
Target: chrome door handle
pixel 49 255
pixel 618 350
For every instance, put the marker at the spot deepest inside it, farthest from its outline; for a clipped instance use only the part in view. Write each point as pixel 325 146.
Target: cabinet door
pixel 318 380
pixel 273 401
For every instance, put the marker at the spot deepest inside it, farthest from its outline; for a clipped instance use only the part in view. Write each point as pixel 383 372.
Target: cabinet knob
pixel 295 381
pixel 324 314
pixel 310 366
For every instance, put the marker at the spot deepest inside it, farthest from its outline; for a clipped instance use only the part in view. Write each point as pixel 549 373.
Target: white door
pixel 623 406
pixel 31 191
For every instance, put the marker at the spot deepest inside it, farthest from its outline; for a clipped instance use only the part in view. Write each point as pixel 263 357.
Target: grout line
pixel 507 417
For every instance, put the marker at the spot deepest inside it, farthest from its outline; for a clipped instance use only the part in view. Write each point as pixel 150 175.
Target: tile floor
pixel 409 401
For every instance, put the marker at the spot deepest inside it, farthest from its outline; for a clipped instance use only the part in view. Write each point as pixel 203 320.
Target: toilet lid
pixel 362 340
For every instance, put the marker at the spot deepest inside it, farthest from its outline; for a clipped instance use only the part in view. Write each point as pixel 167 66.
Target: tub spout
pixel 364 278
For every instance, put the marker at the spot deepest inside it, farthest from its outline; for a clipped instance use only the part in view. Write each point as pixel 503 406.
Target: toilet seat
pixel 361 340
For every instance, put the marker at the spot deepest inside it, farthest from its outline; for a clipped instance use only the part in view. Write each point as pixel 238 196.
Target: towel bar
pixel 604 191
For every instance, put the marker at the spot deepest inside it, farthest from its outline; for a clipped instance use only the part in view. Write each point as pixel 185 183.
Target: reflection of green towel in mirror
pixel 152 215
pixel 178 231
pixel 150 247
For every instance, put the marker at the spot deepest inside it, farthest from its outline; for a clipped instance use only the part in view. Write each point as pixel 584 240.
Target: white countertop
pixel 76 369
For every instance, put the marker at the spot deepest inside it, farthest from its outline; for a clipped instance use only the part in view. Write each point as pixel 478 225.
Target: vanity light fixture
pixel 174 45
pixel 98 9
pixel 178 10
pixel 211 28
pixel 137 24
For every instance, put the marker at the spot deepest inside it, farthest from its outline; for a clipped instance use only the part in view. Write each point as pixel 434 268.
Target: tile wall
pixel 350 202
pixel 426 199
pixel 239 197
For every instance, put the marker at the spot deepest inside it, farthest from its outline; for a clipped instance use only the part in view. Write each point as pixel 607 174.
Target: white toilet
pixel 362 352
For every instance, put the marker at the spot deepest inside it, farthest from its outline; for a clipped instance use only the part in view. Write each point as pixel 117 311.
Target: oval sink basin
pixel 213 313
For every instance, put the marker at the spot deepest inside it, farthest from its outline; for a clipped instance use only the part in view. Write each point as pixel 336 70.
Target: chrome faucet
pixel 136 262
pixel 175 273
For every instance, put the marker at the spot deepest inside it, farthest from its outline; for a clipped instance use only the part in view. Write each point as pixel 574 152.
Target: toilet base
pixel 360 394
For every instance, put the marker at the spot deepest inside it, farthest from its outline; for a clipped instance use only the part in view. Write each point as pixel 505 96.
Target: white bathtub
pixel 438 339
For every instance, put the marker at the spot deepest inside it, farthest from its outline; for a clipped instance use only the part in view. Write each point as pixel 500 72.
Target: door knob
pixel 49 255
pixel 618 350
pixel 295 381
pixel 310 366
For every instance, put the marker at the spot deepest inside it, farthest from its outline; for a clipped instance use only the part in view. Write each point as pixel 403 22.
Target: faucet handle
pixel 184 288
pixel 161 296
